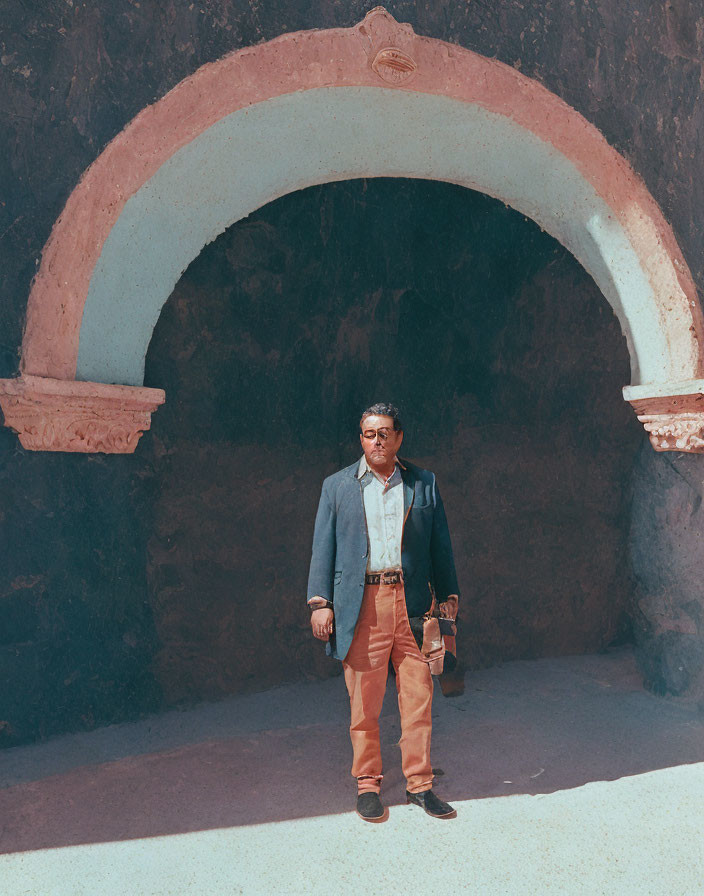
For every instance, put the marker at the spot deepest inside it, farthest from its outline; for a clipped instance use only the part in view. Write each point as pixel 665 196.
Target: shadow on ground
pixel 525 727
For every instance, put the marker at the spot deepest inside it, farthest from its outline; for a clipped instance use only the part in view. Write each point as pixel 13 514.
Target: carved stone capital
pixel 675 432
pixel 672 414
pixel 67 415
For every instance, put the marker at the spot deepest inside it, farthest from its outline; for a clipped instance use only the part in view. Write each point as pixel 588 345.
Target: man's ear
pixel 400 435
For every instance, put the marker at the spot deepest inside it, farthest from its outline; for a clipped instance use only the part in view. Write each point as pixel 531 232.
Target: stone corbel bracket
pixel 672 414
pixel 67 415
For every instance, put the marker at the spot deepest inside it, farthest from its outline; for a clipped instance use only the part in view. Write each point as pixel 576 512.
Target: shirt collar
pixel 365 468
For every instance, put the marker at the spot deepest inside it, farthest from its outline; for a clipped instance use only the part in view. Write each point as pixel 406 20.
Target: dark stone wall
pixel 665 542
pixel 518 408
pixel 76 629
pixel 294 320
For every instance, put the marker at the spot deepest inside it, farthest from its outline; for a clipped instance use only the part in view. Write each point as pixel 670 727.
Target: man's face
pixel 380 442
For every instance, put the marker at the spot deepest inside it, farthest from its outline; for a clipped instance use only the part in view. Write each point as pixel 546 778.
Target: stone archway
pixel 313 107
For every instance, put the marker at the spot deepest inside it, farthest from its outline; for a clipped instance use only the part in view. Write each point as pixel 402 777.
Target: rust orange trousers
pixel 383 631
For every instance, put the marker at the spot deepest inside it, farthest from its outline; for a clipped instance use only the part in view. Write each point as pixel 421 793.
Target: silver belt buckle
pixel 392 576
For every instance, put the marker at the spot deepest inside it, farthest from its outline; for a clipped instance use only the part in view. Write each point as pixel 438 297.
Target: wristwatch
pixel 319 603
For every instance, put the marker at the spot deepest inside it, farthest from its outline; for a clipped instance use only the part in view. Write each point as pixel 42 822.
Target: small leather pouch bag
pixel 426 631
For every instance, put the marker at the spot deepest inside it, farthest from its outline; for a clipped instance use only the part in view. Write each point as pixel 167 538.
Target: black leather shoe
pixel 370 807
pixel 432 804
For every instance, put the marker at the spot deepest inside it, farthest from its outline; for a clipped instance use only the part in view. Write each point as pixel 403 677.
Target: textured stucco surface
pixel 88 626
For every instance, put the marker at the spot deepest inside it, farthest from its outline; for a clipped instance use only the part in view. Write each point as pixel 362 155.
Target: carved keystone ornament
pixel 389 46
pixel 393 65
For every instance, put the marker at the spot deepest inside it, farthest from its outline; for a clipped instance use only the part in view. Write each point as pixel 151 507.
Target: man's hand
pixel 448 608
pixel 321 623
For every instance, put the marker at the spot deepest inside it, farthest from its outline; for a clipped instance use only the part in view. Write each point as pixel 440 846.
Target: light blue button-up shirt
pixel 383 509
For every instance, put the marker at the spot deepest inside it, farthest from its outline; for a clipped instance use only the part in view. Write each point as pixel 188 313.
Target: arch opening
pixel 530 441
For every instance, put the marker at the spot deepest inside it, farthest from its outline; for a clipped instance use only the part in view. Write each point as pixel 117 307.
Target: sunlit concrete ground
pixel 567 776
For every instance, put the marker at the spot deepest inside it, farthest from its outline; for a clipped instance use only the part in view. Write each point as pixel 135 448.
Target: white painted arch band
pixel 262 152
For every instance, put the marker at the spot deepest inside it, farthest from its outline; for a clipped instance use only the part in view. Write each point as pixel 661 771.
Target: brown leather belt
pixel 385 577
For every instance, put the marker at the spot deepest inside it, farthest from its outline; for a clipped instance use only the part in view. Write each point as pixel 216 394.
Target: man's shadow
pixel 524 727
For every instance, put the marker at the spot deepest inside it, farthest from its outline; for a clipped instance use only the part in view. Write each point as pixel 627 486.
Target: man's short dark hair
pixel 383 409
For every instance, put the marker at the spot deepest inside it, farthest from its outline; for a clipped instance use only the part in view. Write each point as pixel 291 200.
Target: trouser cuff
pixel 366 783
pixel 419 786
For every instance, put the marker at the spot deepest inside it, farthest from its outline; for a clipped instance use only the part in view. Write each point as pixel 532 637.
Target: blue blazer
pixel 340 546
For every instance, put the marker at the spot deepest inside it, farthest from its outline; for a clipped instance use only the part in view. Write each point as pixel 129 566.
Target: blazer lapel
pixel 408 490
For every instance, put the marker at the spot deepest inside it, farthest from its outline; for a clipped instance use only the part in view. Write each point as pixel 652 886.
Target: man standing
pixel 381 543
